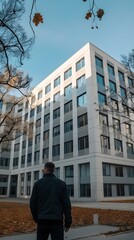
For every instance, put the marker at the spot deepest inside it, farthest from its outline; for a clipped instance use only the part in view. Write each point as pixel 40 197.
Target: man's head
pixel 49 167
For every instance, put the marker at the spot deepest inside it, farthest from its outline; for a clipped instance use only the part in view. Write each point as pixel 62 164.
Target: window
pixel 70 189
pixel 81 81
pixel 107 190
pixel 56 113
pixel 36 175
pixel 9 106
pixel 125 110
pixel 29 158
pixel 30 142
pixel 82 120
pixel 57 172
pixel 56 131
pixel 100 80
pixel 67 107
pixel 56 150
pixel 20 107
pixel 47 103
pixel 121 77
pixel 80 64
pixel 32 113
pixel 130 172
pixel 127 129
pixel 47 118
pixel 116 124
pixel 83 143
pixel 103 119
pixel 23 161
pixel 57 97
pixel 118 171
pixel 84 170
pixel 29 176
pixel 123 92
pixel 118 145
pixel 26 104
pixel 102 98
pixel 26 116
pixel 120 190
pixel 40 94
pixel 105 142
pixel 112 86
pixel 68 147
pixel 33 100
pixel 56 82
pixel 68 91
pixel 114 104
pixel 16 147
pixel 99 62
pixel 38 123
pixel 39 108
pixel 81 100
pixel 48 88
pixel 45 153
pixel 24 144
pixel 36 156
pixel 106 169
pixel 46 135
pixel 110 70
pixel 15 162
pixel 4 162
pixel 85 190
pixel 130 148
pixel 131 190
pixel 37 139
pixel 130 82
pixel 68 126
pixel 68 73
pixel 1 104
pixel 69 172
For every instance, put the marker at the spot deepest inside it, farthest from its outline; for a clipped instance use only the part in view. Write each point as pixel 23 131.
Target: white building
pixel 71 128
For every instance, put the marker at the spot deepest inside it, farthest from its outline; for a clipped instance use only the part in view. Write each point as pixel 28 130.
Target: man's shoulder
pixel 60 181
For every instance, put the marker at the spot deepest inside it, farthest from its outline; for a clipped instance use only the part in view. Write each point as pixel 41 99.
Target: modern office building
pixel 73 127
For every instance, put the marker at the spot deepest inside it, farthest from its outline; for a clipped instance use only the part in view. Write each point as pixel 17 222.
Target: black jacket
pixel 50 200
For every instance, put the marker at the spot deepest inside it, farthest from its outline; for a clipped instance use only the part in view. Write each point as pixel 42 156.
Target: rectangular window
pixel 82 100
pixel 39 108
pixel 1 104
pixel 37 139
pixel 32 113
pixel 114 105
pixel 30 142
pixel 38 123
pixel 82 120
pixel 47 118
pixel 29 176
pixel 26 104
pixel 47 103
pixel 120 190
pixel 125 110
pixel 40 94
pixel 67 107
pixel 48 88
pixel 68 126
pixel 24 144
pixel 112 86
pixel 69 173
pixel 131 190
pixel 130 172
pixel 106 169
pixel 100 80
pixel 36 175
pixel 56 150
pixel 68 73
pixel 29 158
pixel 57 97
pixel 127 129
pixel 37 156
pixel 68 147
pixel 45 153
pixel 46 135
pixel 57 172
pixel 99 62
pixel 15 162
pixel 121 77
pixel 16 147
pixel 68 91
pixel 81 81
pixel 105 142
pixel 116 124
pixel 102 99
pixel 56 131
pixel 123 92
pixel 103 119
pixel 56 113
pixel 130 149
pixel 57 82
pixel 23 161
pixel 80 64
pixel 70 189
pixel 110 70
pixel 26 116
pixel 84 170
pixel 118 145
pixel 118 171
pixel 33 100
pixel 130 82
pixel 85 190
pixel 83 143
pixel 107 190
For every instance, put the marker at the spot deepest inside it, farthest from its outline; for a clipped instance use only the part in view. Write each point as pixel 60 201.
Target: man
pixel 49 202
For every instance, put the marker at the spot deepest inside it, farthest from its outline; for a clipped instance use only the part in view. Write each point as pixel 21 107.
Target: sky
pixel 65 30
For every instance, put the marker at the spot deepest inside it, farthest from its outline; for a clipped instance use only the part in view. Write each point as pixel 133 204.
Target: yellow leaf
pixel 37 19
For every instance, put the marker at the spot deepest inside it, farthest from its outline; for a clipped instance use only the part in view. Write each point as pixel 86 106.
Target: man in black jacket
pixel 49 202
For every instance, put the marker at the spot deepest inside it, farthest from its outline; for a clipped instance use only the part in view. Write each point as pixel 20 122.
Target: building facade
pixel 71 126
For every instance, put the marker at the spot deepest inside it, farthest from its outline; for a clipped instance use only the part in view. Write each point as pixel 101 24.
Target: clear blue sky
pixel 65 31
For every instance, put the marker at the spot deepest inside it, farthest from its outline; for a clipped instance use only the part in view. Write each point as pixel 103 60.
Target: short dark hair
pixel 50 166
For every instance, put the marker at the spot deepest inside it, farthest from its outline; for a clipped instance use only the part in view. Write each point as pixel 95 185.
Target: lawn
pixel 16 218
